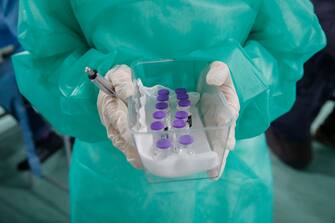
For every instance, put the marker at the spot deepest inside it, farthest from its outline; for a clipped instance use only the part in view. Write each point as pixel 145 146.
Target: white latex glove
pixel 113 112
pixel 219 75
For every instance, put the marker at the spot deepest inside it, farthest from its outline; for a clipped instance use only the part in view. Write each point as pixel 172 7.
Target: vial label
pixel 165 135
pixel 189 120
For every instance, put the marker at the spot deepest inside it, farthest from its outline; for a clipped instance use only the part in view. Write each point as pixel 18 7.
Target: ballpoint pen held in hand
pixel 100 81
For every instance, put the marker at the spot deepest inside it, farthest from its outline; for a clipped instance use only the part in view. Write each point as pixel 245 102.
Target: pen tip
pixel 91 73
pixel 88 70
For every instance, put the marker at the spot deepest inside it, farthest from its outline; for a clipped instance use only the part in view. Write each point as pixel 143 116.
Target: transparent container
pixel 210 140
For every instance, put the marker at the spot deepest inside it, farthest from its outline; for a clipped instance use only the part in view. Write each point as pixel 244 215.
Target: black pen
pixel 100 81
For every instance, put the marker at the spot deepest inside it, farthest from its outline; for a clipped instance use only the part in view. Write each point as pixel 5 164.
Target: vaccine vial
pixel 183 96
pixel 183 115
pixel 161 116
pixel 162 106
pixel 162 149
pixel 184 144
pixel 180 91
pixel 163 91
pixel 158 127
pixel 179 124
pixel 185 105
pixel 180 127
pixel 162 98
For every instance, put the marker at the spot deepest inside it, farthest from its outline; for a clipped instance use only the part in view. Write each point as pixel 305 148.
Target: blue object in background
pixel 12 101
pixel 317 85
pixel 10 97
pixel 8 23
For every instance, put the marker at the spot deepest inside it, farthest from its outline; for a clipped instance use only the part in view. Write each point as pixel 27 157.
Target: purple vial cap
pixel 178 123
pixel 184 103
pixel 161 105
pixel 163 144
pixel 185 139
pixel 157 126
pixel 182 96
pixel 180 91
pixel 163 92
pixel 181 114
pixel 163 97
pixel 159 114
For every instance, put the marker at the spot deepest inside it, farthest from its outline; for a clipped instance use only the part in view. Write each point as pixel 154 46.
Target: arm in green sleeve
pixel 285 35
pixel 51 73
pixel 266 67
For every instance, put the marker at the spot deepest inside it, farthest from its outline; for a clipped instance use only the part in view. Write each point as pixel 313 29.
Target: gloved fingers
pixel 221 118
pixel 113 111
pixel 232 99
pixel 120 77
pixel 114 116
pixel 116 138
pixel 133 157
pixel 102 97
pixel 219 75
pixel 125 147
pixel 231 137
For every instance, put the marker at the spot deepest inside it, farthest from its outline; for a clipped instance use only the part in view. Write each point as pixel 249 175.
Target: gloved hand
pixel 113 112
pixel 219 75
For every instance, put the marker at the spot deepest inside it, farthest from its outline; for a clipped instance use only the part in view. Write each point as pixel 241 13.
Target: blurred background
pixel 35 159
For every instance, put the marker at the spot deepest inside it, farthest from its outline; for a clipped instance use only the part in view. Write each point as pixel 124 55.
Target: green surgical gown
pixel 264 43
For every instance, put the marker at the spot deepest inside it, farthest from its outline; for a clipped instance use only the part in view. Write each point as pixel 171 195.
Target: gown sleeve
pixel 267 65
pixel 50 74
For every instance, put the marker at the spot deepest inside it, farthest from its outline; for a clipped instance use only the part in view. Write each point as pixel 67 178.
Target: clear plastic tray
pixel 209 139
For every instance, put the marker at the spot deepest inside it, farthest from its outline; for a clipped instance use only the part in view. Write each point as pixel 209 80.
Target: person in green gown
pixel 263 42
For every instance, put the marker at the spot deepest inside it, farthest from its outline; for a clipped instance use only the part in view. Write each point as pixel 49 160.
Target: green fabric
pixel 264 43
pixel 105 188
